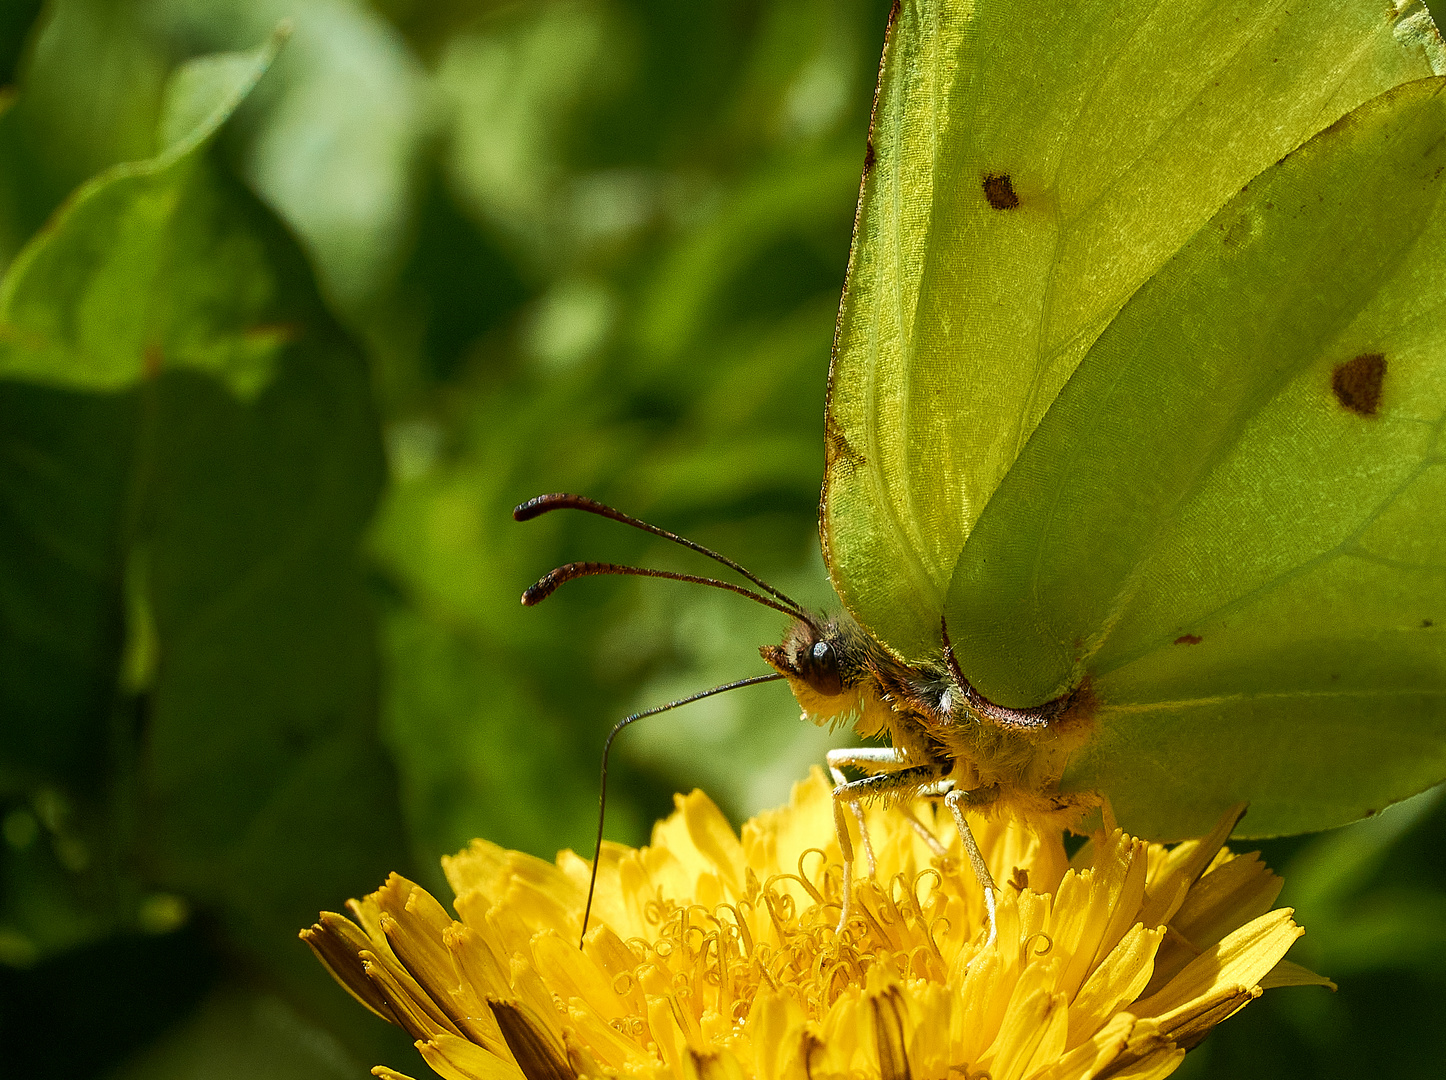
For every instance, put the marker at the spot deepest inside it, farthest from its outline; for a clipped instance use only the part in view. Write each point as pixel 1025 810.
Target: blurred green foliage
pixel 277 363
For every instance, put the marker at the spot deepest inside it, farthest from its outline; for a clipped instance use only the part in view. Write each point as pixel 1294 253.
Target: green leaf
pixel 151 265
pixel 90 78
pixel 261 755
pixel 185 605
pixel 203 93
pixel 65 462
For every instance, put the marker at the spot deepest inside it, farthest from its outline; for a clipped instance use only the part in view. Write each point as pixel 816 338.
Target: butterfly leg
pixel 936 845
pixel 955 801
pixel 900 783
pixel 869 759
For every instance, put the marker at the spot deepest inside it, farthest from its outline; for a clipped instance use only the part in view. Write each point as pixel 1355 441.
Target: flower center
pixel 781 936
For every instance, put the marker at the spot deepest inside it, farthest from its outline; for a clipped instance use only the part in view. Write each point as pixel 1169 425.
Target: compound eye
pixel 822 669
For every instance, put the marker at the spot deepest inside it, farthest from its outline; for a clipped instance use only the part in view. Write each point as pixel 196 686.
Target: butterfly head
pixel 826 665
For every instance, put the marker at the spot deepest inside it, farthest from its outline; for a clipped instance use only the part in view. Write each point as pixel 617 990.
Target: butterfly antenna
pixel 562 501
pixel 603 786
pixel 549 583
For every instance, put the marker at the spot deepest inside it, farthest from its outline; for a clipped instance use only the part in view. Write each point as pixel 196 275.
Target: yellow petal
pixel 1104 904
pixel 424 956
pixel 663 872
pixel 534 1043
pixel 365 912
pixel 1076 923
pixel 1159 1063
pixel 1123 866
pixel 614 957
pixel 477 963
pixel 505 931
pixel 1118 980
pixel 581 1061
pixel 1236 891
pixel 545 897
pixel 1033 1034
pixel 414 923
pixel 713 1064
pixel 774 1024
pixel 672 835
pixel 1227 898
pixel 1191 1022
pixel 668 1034
pixel 1242 959
pixel 1088 1059
pixel 604 1041
pixel 847 1046
pixel 338 944
pixel 774 841
pixel 929 1044
pixel 1010 842
pixel 423 906
pixel 616 902
pixel 535 995
pixel 476 981
pixel 414 1009
pixel 573 974
pixel 1287 973
pixel 891 1029
pixel 1036 912
pixel 1182 866
pixel 802 1061
pixel 538 891
pixel 714 839
pixel 983 999
pixel 481 867
pixel 457 1059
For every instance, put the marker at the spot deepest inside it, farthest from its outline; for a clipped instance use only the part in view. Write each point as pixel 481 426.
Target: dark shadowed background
pixel 259 633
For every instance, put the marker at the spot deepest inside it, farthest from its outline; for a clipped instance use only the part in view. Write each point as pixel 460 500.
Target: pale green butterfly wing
pixel 1122 126
pixel 1231 524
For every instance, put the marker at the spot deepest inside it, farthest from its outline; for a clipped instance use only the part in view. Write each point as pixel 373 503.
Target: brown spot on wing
pixel 1357 383
pixel 1426 624
pixel 1189 639
pixel 999 190
pixel 869 157
pixel 836 447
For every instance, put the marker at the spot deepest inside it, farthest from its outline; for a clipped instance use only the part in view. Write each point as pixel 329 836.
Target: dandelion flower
pixel 710 957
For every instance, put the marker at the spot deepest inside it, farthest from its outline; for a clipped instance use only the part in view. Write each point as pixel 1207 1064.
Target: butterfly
pixel 1135 493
